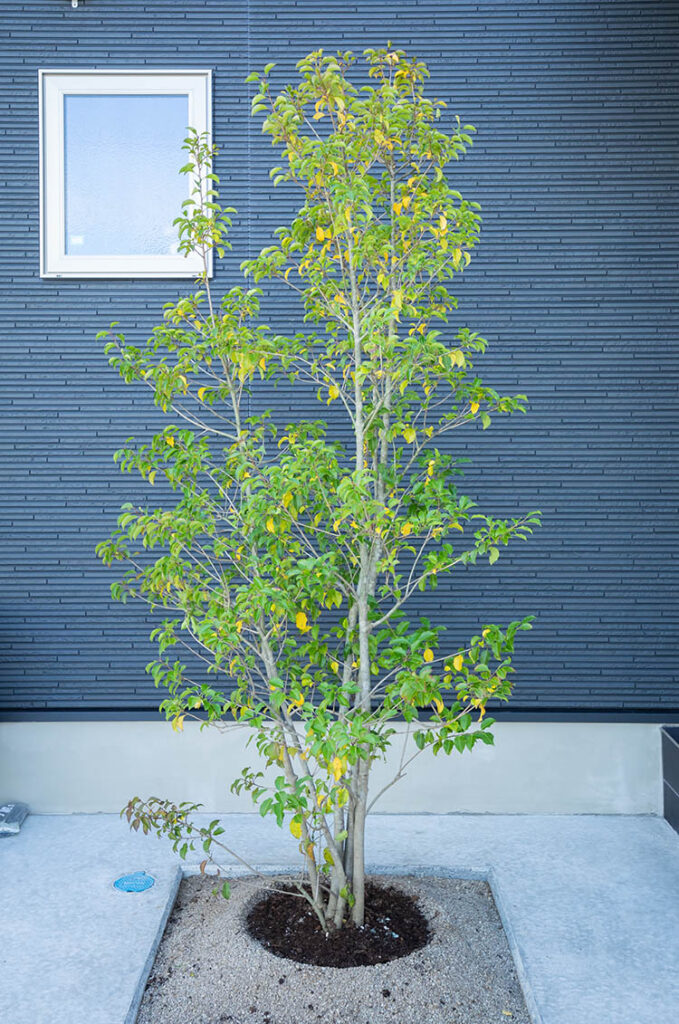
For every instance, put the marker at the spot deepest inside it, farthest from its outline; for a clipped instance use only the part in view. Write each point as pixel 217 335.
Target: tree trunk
pixel 358 911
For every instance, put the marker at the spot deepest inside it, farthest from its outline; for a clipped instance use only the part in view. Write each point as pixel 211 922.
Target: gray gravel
pixel 209 971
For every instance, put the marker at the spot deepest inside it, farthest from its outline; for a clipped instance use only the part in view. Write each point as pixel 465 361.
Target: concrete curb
pixel 519 961
pixel 131 1014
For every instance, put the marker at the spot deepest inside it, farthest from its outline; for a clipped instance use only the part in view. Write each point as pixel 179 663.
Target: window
pixel 110 187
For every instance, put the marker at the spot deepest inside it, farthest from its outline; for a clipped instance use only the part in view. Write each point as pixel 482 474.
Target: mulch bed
pixel 288 927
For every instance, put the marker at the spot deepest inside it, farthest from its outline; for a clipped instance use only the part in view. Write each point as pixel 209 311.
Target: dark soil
pixel 287 927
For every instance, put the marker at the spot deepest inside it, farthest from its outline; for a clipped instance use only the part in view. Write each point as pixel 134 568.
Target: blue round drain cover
pixel 136 882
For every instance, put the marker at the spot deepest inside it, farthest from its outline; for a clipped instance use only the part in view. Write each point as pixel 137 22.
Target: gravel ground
pixel 209 971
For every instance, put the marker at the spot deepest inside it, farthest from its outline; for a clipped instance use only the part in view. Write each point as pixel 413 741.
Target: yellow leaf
pixel 456 526
pixel 439 705
pixel 410 434
pixel 485 632
pixel 301 622
pixel 152 476
pixel 239 626
pixel 262 363
pixel 201 392
pixel 178 723
pixel 428 654
pixel 287 498
pixel 296 828
pixel 333 392
pixel 334 665
pixel 170 440
pixel 406 529
pixel 270 525
pixel 285 275
pixel 458 661
pixel 337 768
pixel 397 300
pixel 397 207
pixel 320 234
pixel 474 407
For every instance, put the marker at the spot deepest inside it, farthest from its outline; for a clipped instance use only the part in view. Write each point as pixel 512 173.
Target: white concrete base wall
pixel 534 768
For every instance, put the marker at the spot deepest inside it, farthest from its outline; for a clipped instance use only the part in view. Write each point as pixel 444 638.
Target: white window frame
pixel 54 84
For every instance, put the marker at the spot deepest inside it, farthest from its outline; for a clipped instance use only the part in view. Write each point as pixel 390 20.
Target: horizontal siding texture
pixel 574 284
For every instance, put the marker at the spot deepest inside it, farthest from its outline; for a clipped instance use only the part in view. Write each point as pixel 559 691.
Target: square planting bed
pixel 209 968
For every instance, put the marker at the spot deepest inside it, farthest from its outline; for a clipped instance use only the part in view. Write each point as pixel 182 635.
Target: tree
pixel 288 562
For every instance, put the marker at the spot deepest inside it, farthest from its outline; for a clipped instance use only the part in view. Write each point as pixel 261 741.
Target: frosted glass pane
pixel 123 187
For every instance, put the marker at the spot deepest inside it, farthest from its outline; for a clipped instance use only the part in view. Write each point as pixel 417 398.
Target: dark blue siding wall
pixel 576 168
